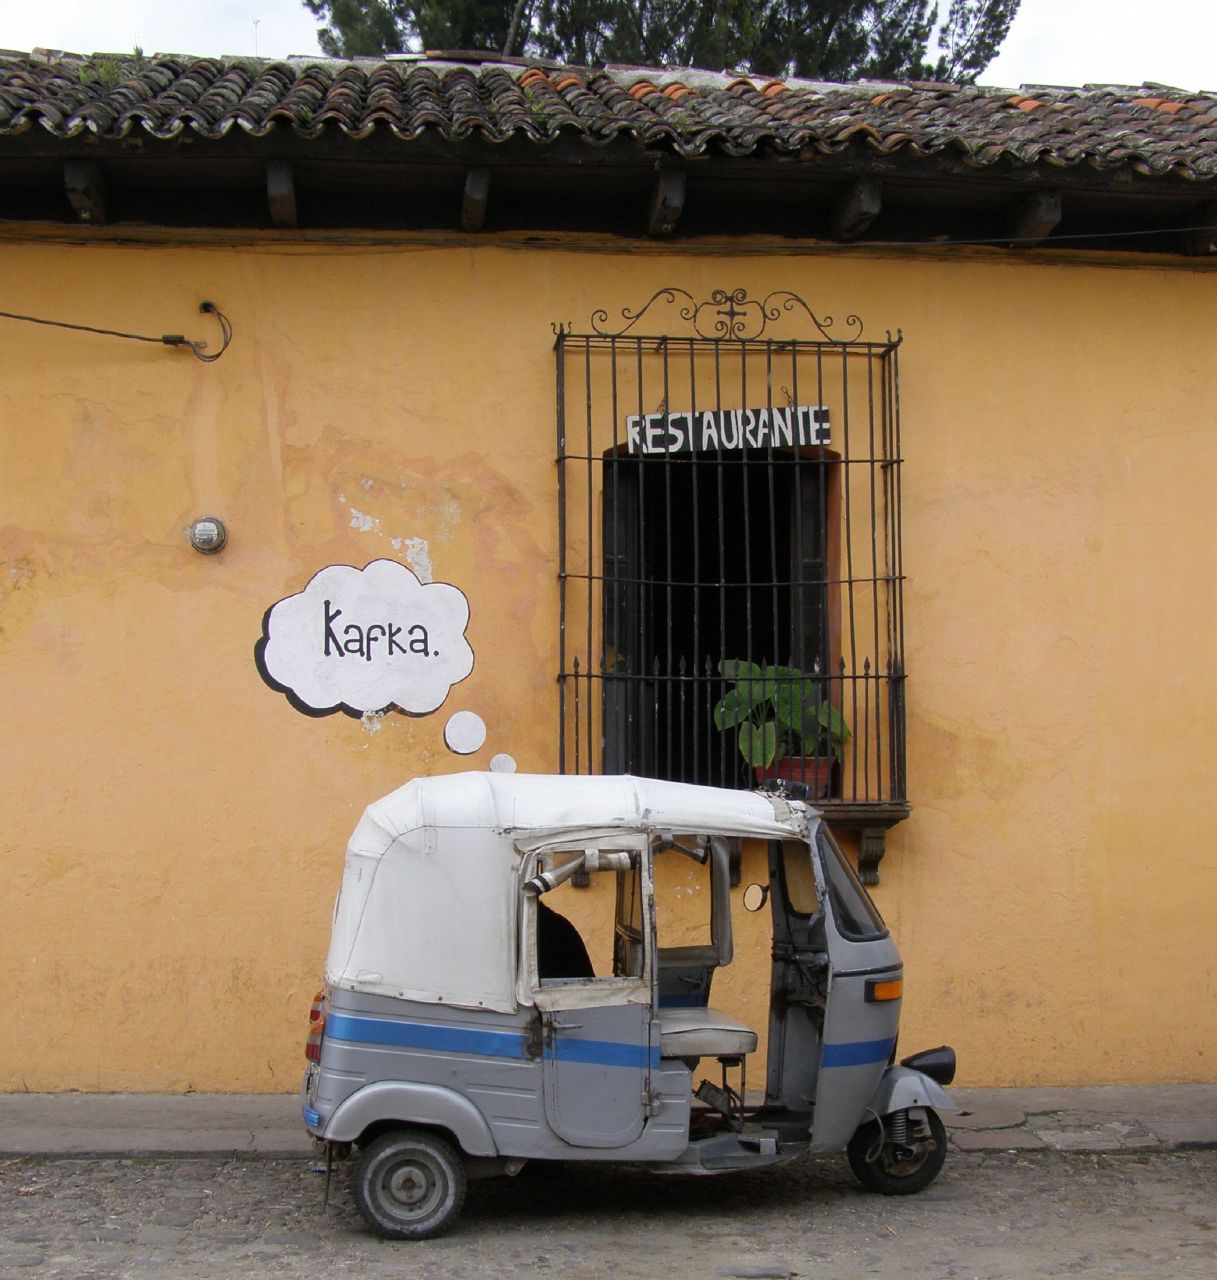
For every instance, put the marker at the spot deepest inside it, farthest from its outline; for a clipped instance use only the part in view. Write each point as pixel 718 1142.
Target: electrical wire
pixel 406 240
pixel 197 348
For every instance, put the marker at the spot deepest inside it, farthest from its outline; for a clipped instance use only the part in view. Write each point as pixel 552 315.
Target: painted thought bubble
pixel 360 640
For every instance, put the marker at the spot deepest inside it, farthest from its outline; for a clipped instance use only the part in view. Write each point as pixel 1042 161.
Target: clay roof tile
pixel 1148 129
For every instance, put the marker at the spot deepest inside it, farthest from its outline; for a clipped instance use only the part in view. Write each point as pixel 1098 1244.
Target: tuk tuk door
pixel 863 1014
pixel 597 1073
pixel 596 1044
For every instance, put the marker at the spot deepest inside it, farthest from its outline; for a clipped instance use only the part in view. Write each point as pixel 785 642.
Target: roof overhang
pixel 670 155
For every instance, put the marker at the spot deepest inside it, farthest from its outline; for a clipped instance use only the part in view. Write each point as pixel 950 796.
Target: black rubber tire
pixel 409 1184
pixel 888 1175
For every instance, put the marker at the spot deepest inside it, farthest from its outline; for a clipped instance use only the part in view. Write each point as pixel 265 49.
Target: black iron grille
pixel 730 557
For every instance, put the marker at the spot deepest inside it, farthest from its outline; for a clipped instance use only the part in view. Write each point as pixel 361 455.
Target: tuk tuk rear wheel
pixel 409 1184
pixel 881 1165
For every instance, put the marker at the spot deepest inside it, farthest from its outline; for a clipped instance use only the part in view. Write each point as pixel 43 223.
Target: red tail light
pixel 316 1028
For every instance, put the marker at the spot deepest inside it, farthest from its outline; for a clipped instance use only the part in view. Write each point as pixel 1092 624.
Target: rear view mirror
pixel 755 896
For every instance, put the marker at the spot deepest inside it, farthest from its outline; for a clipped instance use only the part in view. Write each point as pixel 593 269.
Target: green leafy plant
pixel 106 71
pixel 780 711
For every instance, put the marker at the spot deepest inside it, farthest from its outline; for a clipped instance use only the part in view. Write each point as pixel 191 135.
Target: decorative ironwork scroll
pixel 729 315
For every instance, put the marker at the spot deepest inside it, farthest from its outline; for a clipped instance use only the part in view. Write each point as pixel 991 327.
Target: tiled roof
pixel 1150 130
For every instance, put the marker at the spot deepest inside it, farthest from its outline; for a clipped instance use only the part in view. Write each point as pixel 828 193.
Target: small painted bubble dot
pixel 464 733
pixel 502 764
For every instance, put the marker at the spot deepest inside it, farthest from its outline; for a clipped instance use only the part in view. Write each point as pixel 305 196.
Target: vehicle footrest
pixel 762 1141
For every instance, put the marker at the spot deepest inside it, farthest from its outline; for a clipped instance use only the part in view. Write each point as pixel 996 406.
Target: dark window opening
pixel 707 558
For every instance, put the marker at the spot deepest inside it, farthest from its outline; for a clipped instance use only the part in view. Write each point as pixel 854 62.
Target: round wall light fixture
pixel 208 535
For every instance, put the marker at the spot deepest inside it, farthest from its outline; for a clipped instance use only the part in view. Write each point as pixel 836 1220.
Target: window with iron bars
pixel 730 560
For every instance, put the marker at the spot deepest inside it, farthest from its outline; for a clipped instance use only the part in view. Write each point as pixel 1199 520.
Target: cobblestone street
pixel 992 1214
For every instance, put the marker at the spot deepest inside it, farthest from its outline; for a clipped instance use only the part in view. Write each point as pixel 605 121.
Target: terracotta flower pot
pixel 815 771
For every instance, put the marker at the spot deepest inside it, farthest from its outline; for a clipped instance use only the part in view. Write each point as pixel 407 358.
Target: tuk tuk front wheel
pixel 901 1158
pixel 409 1184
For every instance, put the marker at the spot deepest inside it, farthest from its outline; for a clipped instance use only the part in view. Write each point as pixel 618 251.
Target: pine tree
pixel 823 39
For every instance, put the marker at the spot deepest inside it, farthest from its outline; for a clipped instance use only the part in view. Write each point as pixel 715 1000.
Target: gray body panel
pixel 858 1037
pixel 597 1073
pixel 491 1062
pixel 902 1087
pixel 412 1103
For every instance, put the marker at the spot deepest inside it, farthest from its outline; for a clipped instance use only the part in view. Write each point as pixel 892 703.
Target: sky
pixel 1063 42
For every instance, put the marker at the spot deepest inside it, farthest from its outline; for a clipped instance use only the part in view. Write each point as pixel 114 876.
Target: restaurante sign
pixel 727 430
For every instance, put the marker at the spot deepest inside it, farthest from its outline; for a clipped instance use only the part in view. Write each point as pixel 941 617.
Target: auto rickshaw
pixel 466 1027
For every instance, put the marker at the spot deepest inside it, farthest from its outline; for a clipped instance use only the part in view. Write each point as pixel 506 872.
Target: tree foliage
pixel 822 39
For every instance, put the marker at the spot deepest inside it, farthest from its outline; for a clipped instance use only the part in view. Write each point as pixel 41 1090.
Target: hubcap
pixel 408 1185
pixel 411 1187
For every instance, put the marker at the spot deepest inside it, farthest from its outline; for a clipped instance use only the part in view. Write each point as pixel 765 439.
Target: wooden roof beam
pixel 1034 218
pixel 856 208
pixel 86 190
pixel 281 193
pixel 473 201
pixel 667 202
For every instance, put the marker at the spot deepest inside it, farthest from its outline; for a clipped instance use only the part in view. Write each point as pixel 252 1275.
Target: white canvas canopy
pixel 427 909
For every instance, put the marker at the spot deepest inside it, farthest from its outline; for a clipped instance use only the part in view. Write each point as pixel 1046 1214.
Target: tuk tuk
pixel 466 1026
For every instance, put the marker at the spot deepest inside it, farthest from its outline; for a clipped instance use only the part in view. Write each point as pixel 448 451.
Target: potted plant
pixel 787 726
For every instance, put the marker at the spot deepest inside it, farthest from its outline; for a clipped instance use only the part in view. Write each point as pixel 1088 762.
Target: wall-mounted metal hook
pixel 198 348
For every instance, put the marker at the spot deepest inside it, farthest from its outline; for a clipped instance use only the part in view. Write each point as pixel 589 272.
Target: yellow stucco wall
pixel 173 830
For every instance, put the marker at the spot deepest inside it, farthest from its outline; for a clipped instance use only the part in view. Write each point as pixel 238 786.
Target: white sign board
pixel 360 640
pixel 727 430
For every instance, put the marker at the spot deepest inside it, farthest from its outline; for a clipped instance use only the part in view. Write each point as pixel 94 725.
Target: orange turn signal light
pixel 878 990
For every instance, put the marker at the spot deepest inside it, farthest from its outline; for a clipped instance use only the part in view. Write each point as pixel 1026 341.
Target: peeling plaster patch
pixel 502 764
pixel 450 515
pixel 371 720
pixel 20 573
pixel 415 551
pixel 418 556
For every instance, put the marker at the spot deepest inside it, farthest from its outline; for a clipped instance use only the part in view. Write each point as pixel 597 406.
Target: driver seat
pixel 703 1033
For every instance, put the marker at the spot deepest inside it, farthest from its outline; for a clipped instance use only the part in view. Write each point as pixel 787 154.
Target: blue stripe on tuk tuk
pixel 424 1035
pixel 857 1053
pixel 605 1053
pixel 398 1034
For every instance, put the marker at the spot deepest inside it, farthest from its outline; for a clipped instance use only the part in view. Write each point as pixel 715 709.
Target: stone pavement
pixel 999 1215
pixel 1096 1119
pixel 1166 1117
